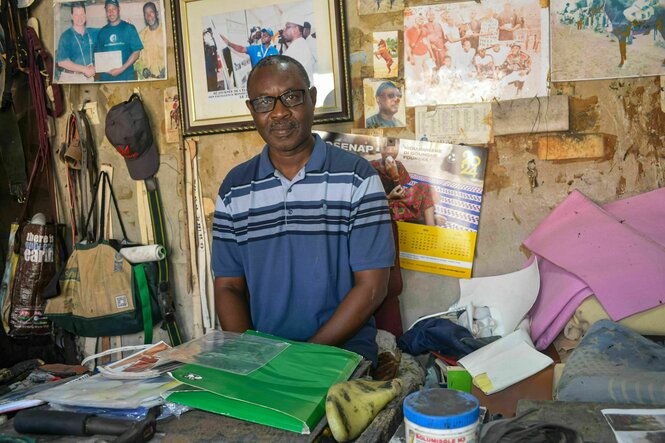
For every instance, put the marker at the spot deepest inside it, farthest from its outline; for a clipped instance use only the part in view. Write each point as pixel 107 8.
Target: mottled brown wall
pixel 169 175
pixel 627 111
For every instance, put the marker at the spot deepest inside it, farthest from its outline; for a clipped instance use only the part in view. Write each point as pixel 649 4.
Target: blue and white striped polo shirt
pixel 298 242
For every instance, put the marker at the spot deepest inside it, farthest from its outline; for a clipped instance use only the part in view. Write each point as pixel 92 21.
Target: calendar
pixel 434 249
pixel 434 194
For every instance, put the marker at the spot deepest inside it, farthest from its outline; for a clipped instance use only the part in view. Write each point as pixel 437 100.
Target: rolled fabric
pixel 143 254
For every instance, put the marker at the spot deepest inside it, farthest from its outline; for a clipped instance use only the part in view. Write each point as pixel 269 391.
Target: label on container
pixel 417 434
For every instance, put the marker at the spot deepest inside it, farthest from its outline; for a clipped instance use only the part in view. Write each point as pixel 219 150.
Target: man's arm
pixel 235 47
pixel 231 304
pixel 367 294
pixel 130 61
pixel 88 71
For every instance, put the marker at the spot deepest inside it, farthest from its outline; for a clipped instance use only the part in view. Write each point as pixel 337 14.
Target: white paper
pixel 509 296
pixel 636 425
pixel 470 124
pixel 105 61
pixel 504 362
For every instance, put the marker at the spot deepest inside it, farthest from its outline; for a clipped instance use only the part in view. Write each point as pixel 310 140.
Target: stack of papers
pixel 504 362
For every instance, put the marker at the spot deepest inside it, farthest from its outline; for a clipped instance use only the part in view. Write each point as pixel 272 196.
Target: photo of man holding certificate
pixel 118 46
pixel 109 41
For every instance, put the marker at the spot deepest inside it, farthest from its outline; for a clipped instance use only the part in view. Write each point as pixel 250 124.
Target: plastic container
pixel 441 416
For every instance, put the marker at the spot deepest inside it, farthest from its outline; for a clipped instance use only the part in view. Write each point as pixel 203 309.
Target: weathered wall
pixel 626 110
pixel 170 170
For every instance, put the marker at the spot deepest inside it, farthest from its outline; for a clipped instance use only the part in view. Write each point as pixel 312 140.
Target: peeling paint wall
pixel 170 175
pixel 626 112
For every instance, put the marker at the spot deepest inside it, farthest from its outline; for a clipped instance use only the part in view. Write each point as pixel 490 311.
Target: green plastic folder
pixel 288 392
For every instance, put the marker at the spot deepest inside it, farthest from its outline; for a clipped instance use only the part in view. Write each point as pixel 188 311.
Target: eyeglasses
pixel 392 95
pixel 290 98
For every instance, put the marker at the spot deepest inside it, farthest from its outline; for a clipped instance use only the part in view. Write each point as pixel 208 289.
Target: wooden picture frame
pixel 212 73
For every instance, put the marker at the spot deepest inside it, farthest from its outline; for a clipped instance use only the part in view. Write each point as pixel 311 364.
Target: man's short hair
pixel 77 5
pixel 383 86
pixel 307 25
pixel 112 2
pixel 276 60
pixel 150 5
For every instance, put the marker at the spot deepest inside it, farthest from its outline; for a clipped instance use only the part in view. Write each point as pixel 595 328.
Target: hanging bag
pixel 102 293
pixel 37 241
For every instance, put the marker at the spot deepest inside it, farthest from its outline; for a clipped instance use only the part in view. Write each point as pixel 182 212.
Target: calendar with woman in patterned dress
pixel 434 193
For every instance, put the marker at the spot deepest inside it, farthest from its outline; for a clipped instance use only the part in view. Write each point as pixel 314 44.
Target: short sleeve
pixel 226 259
pixel 371 242
pixel 135 40
pixel 62 52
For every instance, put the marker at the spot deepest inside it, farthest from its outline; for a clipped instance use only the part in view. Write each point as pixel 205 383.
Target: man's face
pixel 283 129
pixel 112 13
pixel 78 16
pixel 291 32
pixel 515 50
pixel 496 48
pixel 466 45
pixel 389 100
pixel 150 16
pixel 265 38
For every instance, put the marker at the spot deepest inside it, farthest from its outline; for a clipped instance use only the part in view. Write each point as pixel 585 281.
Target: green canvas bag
pixel 103 294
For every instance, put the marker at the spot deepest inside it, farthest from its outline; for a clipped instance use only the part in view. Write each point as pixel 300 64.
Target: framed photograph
pixel 470 52
pixel 217 43
pixel 607 39
pixel 112 41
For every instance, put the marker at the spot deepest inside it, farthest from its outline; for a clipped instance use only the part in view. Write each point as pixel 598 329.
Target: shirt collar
pixel 315 162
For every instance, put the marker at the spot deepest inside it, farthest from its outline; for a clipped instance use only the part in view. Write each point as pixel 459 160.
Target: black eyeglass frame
pixel 281 99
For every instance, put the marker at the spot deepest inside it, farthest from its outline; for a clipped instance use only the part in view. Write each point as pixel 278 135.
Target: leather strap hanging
pixel 80 157
pixel 11 146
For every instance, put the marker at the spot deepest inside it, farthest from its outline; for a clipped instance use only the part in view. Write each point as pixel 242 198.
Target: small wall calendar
pixel 434 193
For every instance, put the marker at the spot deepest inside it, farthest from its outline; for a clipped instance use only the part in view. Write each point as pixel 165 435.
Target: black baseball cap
pixel 128 130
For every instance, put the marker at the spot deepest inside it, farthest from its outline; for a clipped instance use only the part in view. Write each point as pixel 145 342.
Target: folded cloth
pixel 649 322
pixel 617 252
pixel 614 364
pixel 439 335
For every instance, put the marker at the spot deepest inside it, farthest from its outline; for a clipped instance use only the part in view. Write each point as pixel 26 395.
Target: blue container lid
pixel 441 408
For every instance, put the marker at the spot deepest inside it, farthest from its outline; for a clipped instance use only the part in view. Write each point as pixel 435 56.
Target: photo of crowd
pixel 470 52
pixel 236 41
pixel 595 39
pixel 117 41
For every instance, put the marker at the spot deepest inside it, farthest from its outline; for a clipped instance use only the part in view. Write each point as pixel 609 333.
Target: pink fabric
pixel 617 253
pixel 560 294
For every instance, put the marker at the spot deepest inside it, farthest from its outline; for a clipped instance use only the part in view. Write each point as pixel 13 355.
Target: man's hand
pixel 89 71
pixel 115 72
pixel 367 294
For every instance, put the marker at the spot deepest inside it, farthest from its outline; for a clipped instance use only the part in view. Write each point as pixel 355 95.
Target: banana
pixel 353 404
